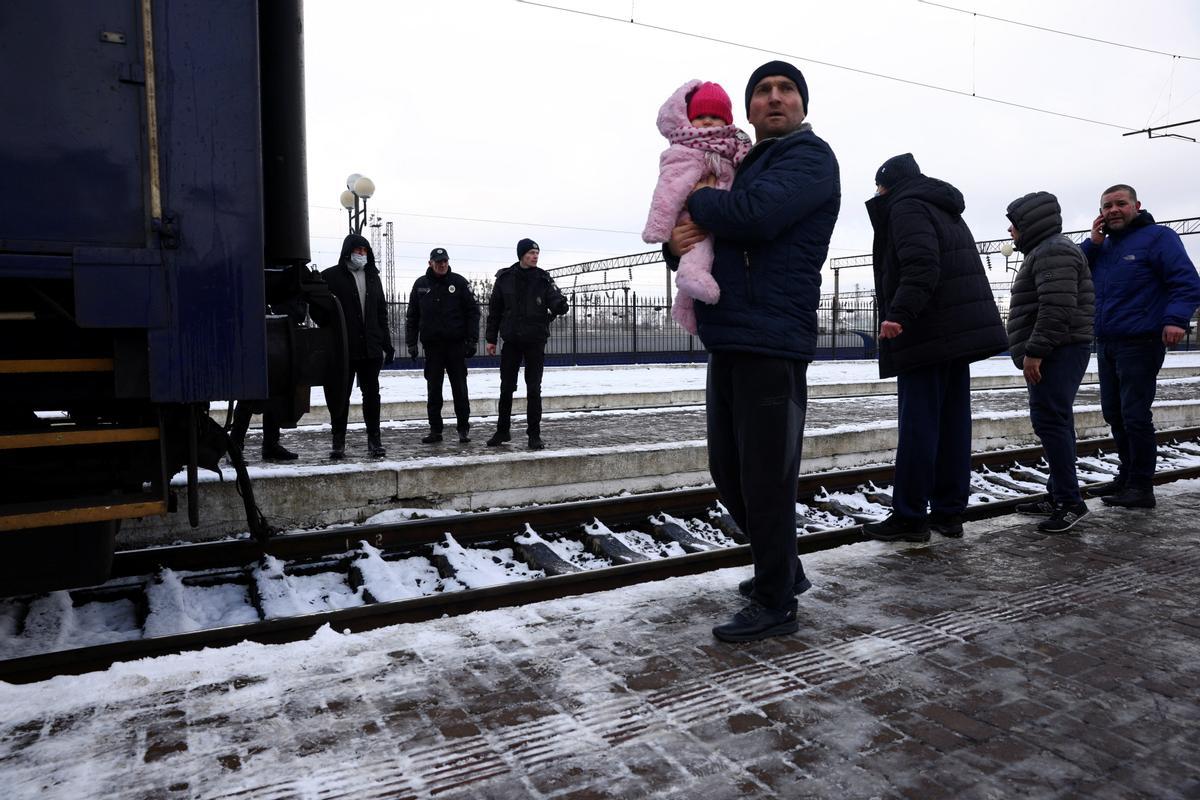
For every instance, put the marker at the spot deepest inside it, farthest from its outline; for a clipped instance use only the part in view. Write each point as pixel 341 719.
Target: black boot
pixel 464 435
pixel 432 438
pixel 949 525
pixel 898 529
pixel 498 438
pixel 375 445
pixel 756 622
pixel 338 450
pixel 1116 487
pixel 1132 497
pixel 277 452
pixel 802 585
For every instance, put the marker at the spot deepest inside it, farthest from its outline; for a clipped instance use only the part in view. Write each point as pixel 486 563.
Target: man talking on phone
pixel 1146 292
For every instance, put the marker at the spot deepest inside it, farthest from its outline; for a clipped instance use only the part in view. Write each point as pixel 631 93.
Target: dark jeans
pixel 367 372
pixel 1128 380
pixel 1051 410
pixel 511 356
pixel 933 447
pixel 447 358
pixel 756 406
pixel 241 423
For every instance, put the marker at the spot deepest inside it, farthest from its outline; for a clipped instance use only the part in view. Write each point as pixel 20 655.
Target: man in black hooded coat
pixel 354 280
pixel 937 315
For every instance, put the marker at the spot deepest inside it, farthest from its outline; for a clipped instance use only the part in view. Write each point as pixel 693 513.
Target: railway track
pixel 173 599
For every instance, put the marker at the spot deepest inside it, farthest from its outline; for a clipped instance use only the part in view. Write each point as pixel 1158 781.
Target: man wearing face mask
pixel 354 280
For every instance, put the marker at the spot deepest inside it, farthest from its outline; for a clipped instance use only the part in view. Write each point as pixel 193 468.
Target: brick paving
pixel 1005 664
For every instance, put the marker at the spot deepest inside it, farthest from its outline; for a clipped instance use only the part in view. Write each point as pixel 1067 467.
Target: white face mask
pixel 358 261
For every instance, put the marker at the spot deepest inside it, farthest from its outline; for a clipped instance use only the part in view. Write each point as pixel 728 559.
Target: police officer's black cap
pixel 438 254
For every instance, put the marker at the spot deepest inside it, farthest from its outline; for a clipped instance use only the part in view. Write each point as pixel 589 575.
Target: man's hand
pixel 684 237
pixel 1097 230
pixel 1033 370
pixel 1173 334
pixel 890 330
pixel 491 349
pixel 469 348
pixel 709 181
pixel 389 356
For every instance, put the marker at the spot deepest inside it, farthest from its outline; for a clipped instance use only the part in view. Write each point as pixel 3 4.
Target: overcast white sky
pixel 470 110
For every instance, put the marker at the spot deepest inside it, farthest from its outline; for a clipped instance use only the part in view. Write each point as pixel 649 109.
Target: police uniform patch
pixel 451 289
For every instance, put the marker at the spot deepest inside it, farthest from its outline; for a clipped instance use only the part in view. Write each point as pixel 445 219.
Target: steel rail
pixel 375 615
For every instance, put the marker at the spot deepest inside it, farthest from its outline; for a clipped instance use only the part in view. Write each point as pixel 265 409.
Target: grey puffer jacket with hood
pixel 1053 301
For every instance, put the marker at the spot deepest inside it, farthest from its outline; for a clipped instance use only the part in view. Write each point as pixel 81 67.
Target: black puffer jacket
pixel 441 308
pixel 367 334
pixel 1053 301
pixel 524 300
pixel 928 278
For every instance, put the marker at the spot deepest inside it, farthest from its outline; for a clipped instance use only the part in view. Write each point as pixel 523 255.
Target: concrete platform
pixel 589 454
pixel 1005 664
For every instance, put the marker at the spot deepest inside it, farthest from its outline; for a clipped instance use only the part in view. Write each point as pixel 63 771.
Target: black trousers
pixel 241 423
pixel 933 448
pixel 756 406
pixel 366 370
pixel 446 358
pixel 511 356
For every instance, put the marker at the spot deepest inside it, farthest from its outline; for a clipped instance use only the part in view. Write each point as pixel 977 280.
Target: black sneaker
pixel 1063 518
pixel 498 439
pixel 1043 507
pixel 277 452
pixel 898 529
pixel 950 525
pixel 1131 497
pixel 432 438
pixel 746 587
pixel 463 438
pixel 756 622
pixel 536 444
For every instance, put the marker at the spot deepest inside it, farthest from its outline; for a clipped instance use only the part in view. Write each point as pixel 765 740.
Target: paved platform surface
pixel 1005 664
pixel 646 426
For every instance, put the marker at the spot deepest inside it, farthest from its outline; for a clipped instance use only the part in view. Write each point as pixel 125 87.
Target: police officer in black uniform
pixel 524 301
pixel 443 311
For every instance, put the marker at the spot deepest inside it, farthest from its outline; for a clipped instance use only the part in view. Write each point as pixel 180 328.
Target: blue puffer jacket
pixel 772 232
pixel 1144 280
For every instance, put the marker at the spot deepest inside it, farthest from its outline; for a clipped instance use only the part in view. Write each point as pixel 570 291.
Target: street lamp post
pixel 359 189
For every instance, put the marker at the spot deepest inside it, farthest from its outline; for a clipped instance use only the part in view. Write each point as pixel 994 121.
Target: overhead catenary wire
pixel 830 64
pixel 1057 31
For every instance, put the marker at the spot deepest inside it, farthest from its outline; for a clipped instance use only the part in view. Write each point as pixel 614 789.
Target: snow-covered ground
pixel 405 385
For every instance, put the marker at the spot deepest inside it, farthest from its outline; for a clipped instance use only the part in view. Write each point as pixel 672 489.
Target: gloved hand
pixel 389 356
pixel 470 347
pixel 412 352
pixel 561 307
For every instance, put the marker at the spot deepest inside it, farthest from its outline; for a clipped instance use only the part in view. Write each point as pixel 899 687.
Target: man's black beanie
pixel 896 169
pixel 777 68
pixel 524 246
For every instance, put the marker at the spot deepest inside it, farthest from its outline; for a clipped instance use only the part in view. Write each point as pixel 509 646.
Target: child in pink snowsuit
pixel 698 122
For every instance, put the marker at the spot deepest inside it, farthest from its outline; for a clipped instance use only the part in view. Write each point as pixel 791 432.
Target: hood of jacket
pixel 1037 216
pixel 930 190
pixel 352 241
pixel 673 123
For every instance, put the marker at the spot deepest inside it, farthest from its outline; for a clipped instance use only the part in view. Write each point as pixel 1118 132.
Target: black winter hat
pixel 524 246
pixel 438 254
pixel 777 68
pixel 896 169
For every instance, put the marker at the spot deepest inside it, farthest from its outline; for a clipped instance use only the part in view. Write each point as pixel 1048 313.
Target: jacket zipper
pixel 749 282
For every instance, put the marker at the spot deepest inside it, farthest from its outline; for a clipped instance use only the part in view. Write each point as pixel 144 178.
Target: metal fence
pixel 631 330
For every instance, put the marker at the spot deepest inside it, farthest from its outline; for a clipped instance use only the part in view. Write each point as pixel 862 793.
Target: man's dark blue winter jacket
pixel 1144 280
pixel 772 231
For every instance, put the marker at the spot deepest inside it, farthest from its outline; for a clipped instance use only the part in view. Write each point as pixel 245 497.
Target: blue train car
pixel 154 205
